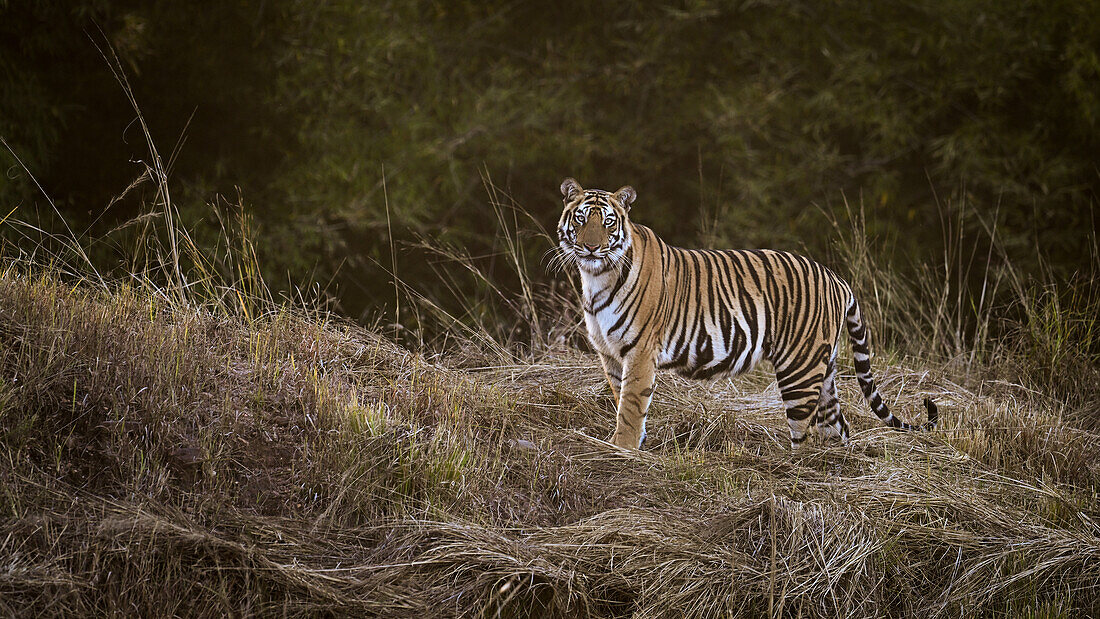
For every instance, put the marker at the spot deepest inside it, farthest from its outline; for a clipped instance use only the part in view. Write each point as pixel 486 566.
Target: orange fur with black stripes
pixel 707 313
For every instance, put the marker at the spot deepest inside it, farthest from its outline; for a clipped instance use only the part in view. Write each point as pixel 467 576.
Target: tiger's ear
pixel 625 196
pixel 570 189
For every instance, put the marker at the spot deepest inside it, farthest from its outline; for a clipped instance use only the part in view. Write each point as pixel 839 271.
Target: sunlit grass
pixel 270 463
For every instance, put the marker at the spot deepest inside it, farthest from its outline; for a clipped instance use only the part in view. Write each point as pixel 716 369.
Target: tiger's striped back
pixel 708 313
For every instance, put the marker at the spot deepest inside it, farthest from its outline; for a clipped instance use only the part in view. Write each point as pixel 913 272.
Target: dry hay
pixel 163 460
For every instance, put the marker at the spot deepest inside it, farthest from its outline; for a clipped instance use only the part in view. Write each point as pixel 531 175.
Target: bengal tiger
pixel 708 313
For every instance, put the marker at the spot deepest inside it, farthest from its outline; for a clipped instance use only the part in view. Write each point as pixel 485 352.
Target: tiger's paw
pixel 625 441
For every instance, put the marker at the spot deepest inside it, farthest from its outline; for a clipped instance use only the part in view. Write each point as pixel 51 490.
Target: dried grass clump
pixel 164 459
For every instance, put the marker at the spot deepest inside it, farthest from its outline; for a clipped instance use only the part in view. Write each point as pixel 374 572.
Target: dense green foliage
pixel 740 124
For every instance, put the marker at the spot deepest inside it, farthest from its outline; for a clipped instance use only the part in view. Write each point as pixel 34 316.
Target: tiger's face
pixel 594 229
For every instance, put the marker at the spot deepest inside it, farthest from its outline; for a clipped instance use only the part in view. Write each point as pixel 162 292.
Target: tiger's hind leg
pixel 800 385
pixel 830 421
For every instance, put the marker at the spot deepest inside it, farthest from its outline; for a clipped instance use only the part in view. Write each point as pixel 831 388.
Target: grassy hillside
pixel 160 457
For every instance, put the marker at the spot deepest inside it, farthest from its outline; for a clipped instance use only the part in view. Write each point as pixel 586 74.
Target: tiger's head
pixel 594 229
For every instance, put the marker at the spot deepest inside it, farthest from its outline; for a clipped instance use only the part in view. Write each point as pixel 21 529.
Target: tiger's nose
pixel 591 247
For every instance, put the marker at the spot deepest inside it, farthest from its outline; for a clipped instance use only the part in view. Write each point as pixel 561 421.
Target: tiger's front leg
pixel 639 379
pixel 614 372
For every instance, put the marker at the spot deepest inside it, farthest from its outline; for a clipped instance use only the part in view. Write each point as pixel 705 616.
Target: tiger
pixel 709 313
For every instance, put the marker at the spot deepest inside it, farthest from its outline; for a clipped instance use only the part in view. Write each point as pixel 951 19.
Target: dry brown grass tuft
pixel 162 459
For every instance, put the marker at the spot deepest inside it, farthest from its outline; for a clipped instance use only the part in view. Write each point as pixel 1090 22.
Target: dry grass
pixel 159 458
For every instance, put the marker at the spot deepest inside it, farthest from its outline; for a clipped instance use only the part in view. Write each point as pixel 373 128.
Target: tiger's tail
pixel 861 354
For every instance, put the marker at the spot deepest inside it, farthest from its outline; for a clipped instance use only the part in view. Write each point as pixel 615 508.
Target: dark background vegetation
pixel 340 126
